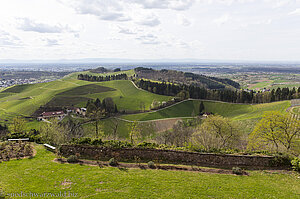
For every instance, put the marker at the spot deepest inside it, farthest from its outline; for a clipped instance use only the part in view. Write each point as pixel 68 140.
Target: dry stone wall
pixel 166 156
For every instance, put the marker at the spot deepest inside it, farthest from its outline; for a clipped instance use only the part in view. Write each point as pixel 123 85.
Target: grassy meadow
pixel 26 99
pixel 41 175
pixel 190 108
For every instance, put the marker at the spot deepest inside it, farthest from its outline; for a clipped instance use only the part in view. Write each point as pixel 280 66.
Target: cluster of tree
pixel 276 132
pixel 99 70
pixel 97 110
pixel 179 136
pixel 215 132
pixel 186 78
pixel 140 131
pixel 3 130
pixel 212 82
pixel 52 132
pixel 184 91
pixel 93 78
pixel 107 105
pixel 57 133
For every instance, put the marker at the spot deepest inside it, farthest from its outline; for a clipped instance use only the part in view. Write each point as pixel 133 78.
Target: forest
pixel 184 91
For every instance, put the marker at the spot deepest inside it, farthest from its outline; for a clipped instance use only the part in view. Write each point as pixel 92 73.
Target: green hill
pixel 190 108
pixel 26 99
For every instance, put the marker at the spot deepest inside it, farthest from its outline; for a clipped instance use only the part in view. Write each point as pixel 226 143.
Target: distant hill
pixel 99 70
pixel 180 77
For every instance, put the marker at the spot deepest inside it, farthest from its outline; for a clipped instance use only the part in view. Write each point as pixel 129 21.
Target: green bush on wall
pixel 296 164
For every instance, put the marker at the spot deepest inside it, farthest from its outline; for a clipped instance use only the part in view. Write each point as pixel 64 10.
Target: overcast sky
pixel 150 29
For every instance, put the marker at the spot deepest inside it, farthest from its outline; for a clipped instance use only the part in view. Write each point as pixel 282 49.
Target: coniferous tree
pixel 201 108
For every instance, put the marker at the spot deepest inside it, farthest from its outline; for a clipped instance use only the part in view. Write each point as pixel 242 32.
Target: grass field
pixel 26 99
pixel 191 108
pixel 40 174
pixel 87 89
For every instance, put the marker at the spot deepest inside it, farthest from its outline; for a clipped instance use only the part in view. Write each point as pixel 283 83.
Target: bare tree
pixel 114 125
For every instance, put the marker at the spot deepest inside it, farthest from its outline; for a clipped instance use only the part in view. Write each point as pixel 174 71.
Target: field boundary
pixel 169 156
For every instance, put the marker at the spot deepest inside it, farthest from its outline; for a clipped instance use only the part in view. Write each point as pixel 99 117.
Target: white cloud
pixel 295 12
pixel 127 31
pixel 222 19
pixel 165 4
pixel 9 40
pixel 183 20
pixel 52 42
pixel 151 20
pixel 148 39
pixel 170 28
pixel 181 4
pixel 27 24
pixel 109 10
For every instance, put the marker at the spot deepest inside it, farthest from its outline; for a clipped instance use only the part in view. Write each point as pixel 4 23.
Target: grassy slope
pixel 12 105
pixel 191 108
pixel 40 174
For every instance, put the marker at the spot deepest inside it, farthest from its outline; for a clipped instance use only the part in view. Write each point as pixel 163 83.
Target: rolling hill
pixel 190 108
pixel 26 99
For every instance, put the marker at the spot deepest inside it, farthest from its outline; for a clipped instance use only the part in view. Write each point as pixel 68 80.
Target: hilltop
pixel 179 77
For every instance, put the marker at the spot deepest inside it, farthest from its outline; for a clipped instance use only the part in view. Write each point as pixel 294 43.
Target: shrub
pixel 28 150
pixel 281 160
pixel 237 170
pixel 97 142
pixel 72 159
pixel 296 164
pixel 2 195
pixel 113 162
pixel 117 144
pixel 83 140
pixel 151 165
pixel 147 145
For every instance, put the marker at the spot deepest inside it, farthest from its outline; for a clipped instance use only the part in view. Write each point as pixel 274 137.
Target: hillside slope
pixel 26 99
pixel 190 108
pixel 180 77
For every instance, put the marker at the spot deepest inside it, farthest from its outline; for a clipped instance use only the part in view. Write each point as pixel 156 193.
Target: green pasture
pixel 26 99
pixel 190 108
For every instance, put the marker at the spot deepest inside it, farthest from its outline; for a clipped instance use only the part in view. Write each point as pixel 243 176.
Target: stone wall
pixel 167 156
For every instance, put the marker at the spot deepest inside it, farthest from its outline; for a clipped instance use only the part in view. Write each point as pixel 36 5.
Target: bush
pixel 2 195
pixel 151 165
pixel 113 162
pixel 281 160
pixel 117 144
pixel 147 145
pixel 28 150
pixel 72 159
pixel 237 170
pixel 296 164
pixel 97 142
pixel 84 141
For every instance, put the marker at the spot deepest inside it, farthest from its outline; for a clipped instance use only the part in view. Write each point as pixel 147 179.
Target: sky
pixel 254 30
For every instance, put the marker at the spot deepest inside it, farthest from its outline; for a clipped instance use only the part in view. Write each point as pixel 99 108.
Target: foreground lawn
pixel 40 174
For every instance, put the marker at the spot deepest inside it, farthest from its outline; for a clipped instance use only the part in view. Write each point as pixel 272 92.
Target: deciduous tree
pixel 275 130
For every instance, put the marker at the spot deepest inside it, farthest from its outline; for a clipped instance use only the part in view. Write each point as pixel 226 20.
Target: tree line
pixel 93 78
pixel 184 91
